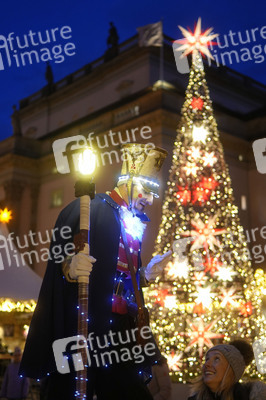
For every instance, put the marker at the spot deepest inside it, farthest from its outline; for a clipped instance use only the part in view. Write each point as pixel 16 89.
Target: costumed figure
pixel 117 356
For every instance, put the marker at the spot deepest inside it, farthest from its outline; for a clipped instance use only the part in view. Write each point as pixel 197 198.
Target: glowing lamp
pixel 204 296
pixel 170 302
pixel 225 273
pixel 87 162
pixel 178 269
pixel 5 215
pixel 199 134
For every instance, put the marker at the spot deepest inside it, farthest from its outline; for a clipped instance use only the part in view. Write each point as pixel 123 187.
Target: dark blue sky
pixel 89 22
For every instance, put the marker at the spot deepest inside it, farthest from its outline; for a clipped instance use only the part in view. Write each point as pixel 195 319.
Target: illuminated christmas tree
pixel 207 293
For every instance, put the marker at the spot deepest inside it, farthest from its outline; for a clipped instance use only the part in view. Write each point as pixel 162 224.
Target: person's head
pixel 225 364
pixel 17 355
pixel 216 371
pixel 139 200
pixel 138 183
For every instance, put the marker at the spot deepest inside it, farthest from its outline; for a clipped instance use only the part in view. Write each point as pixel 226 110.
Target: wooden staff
pixel 83 294
pixel 85 191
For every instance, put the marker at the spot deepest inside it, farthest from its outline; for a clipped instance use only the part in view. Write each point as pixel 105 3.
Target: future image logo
pixel 77 352
pixel 182 64
pixel 67 353
pixel 13 249
pixel 13 47
pixel 66 152
pixel 259 149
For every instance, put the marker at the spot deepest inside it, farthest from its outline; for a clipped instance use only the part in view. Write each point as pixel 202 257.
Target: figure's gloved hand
pixel 81 265
pixel 156 266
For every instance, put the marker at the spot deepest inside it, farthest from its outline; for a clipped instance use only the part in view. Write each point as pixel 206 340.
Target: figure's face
pixel 140 199
pixel 214 369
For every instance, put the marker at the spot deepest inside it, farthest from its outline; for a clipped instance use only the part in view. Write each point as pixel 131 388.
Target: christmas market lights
pixel 8 305
pixel 5 215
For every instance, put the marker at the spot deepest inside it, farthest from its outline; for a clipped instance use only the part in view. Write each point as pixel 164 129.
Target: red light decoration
pixel 200 195
pixel 201 335
pixel 246 309
pixel 212 265
pixel 208 183
pixel 161 295
pixel 183 194
pixel 198 309
pixel 197 103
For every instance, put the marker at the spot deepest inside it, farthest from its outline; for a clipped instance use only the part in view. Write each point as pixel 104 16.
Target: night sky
pixel 89 23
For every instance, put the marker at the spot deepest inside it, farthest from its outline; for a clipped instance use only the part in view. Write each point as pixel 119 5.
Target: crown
pixel 142 164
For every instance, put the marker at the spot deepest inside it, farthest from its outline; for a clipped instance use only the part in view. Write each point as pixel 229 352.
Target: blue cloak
pixel 55 316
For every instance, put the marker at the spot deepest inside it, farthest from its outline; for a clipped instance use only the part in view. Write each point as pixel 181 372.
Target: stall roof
pixel 17 280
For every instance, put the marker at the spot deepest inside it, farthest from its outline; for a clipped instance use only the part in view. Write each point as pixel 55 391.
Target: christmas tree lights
pixel 207 294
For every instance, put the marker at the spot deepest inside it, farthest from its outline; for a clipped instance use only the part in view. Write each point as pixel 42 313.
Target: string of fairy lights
pixel 208 292
pixel 9 305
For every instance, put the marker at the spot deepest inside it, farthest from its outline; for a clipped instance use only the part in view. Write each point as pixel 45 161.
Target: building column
pixel 34 197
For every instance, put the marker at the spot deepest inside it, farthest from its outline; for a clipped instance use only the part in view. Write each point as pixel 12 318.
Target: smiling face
pixel 214 369
pixel 140 199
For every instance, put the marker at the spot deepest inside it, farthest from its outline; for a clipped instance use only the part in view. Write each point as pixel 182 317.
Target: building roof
pixel 250 94
pixel 103 86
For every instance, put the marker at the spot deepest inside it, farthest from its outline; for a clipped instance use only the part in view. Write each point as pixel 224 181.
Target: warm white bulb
pixel 87 162
pixel 199 134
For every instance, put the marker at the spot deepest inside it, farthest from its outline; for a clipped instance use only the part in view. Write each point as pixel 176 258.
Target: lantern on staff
pixel 77 158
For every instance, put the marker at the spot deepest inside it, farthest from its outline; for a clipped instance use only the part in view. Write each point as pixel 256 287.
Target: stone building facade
pixel 113 101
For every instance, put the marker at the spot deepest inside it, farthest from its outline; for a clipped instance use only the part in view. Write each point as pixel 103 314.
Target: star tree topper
pixel 197 41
